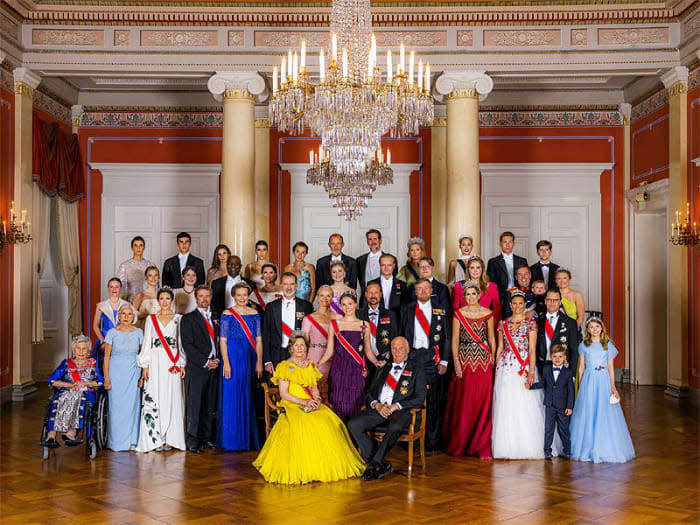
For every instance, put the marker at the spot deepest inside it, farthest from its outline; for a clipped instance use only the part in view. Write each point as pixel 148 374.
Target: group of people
pixel 500 355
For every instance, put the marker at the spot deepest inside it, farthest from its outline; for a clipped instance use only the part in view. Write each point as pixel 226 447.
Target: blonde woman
pixel 409 272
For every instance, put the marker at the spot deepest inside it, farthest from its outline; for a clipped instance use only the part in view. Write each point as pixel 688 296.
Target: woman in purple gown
pixel 349 340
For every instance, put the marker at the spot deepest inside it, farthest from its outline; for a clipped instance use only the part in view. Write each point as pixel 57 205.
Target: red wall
pixel 7 147
pixel 649 148
pixel 694 253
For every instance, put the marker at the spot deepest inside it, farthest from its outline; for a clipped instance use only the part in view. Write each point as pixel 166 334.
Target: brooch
pixel 291 367
pixel 436 337
pixel 300 315
pixel 385 333
pixel 438 311
pixel 563 339
pixel 407 373
pixel 385 341
pixel 383 320
pixel 438 327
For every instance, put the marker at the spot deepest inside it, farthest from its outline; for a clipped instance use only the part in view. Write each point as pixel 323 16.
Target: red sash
pixel 359 359
pixel 548 329
pixel 244 327
pixel 210 328
pixel 423 322
pixel 286 330
pixel 373 329
pixel 471 331
pixel 173 358
pixel 73 369
pixel 513 348
pixel 318 326
pixel 261 301
pixel 391 382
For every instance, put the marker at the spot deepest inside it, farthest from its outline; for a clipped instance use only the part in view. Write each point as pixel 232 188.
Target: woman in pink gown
pixel 476 270
pixel 467 425
pixel 316 327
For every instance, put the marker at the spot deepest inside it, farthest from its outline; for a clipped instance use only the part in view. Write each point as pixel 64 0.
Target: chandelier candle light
pixel 15 232
pixel 352 105
pixel 682 234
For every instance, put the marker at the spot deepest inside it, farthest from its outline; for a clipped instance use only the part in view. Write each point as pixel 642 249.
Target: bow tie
pixel 556 369
pixel 524 288
pixel 397 367
pixel 545 265
pixel 374 312
pixel 336 259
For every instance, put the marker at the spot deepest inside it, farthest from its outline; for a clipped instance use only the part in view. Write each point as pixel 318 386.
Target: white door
pixel 157 201
pixel 313 218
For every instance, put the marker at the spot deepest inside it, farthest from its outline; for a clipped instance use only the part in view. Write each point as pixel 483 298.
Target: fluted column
pixel 237 195
pixel 676 81
pixel 462 91
pixel 262 178
pixel 22 384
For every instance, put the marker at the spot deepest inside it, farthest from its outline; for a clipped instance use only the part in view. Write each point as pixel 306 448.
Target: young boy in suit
pixel 558 383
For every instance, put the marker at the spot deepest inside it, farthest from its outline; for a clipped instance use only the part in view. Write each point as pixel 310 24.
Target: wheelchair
pixel 94 430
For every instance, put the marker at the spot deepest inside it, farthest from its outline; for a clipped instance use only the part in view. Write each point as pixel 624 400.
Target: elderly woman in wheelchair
pixel 74 382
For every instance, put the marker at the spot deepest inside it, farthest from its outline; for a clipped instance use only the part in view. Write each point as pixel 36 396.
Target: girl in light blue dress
pixel 122 375
pixel 598 429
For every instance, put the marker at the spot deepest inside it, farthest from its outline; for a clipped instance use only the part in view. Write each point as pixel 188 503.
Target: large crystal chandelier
pixel 352 105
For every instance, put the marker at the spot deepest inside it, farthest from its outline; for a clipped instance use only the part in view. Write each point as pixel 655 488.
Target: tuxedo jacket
pixel 195 339
pixel 439 337
pixel 218 294
pixel 558 394
pixel 537 275
pixel 387 328
pixel 272 328
pixel 565 333
pixel 361 263
pixel 441 294
pixel 399 295
pixel 323 271
pixel 498 272
pixel 172 275
pixel 410 391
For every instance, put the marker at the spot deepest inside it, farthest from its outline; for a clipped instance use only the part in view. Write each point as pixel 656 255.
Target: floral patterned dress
pixel 163 408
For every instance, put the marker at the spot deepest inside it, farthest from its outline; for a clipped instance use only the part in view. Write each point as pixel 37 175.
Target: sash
pixel 548 330
pixel 173 358
pixel 463 265
pixel 391 382
pixel 286 330
pixel 336 308
pixel 210 328
pixel 260 299
pixel 244 327
pixel 318 326
pixel 413 272
pixel 372 328
pixel 73 369
pixel 513 348
pixel 463 321
pixel 359 359
pixel 423 322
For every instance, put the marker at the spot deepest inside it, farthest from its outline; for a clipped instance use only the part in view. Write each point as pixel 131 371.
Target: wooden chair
pixel 272 397
pixel 414 434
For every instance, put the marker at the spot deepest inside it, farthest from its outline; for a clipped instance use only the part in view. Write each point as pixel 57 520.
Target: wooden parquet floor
pixel 660 486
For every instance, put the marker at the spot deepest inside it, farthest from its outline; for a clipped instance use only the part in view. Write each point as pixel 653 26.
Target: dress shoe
pixel 208 444
pixel 194 450
pixel 385 469
pixel 372 471
pixel 548 457
pixel 51 443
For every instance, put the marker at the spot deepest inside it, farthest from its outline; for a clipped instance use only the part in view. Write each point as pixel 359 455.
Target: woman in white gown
pixel 163 408
pixel 518 413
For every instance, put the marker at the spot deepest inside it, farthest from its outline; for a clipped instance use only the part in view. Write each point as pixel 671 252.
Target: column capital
pixel 76 112
pixel 464 84
pixel 237 84
pixel 26 81
pixel 676 80
pixel 625 109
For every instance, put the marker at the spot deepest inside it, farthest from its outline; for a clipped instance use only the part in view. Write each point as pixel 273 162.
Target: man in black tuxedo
pixel 441 293
pixel 397 387
pixel 523 277
pixel 221 297
pixel 282 317
pixel 384 325
pixel 544 269
pixel 394 291
pixel 198 337
pixel 173 267
pixel 556 328
pixel 426 325
pixel 501 269
pixel 558 383
pixel 323 265
pixel 368 263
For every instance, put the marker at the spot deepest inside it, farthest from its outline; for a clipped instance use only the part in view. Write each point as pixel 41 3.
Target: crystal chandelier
pixel 352 105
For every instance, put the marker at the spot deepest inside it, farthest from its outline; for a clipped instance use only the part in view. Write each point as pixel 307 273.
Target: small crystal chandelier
pixel 352 105
pixel 682 233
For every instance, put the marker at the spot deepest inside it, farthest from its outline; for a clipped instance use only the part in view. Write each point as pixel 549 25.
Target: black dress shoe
pixel 548 457
pixel 372 471
pixel 208 444
pixel 194 450
pixel 51 443
pixel 71 442
pixel 385 469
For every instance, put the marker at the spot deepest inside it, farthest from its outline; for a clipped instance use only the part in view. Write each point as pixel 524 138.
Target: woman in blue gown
pixel 105 317
pixel 241 351
pixel 598 429
pixel 122 375
pixel 305 272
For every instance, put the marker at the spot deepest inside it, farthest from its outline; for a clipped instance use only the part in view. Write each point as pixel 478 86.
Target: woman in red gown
pixel 467 426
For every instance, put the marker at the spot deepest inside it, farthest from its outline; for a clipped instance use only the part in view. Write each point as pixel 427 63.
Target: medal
pixel 364 372
pixel 438 327
pixel 436 337
pixel 385 341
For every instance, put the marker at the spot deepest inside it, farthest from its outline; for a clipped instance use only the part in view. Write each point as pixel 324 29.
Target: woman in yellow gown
pixel 308 442
pixel 571 300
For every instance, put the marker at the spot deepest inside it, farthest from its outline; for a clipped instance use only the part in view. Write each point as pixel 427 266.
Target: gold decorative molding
pixel 238 94
pixel 462 93
pixel 678 88
pixel 23 89
pixel 439 122
pixel 262 123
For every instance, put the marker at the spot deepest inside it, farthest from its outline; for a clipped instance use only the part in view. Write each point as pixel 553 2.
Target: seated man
pixel 398 387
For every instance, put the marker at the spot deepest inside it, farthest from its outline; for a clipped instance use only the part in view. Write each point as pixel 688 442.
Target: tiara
pixel 594 318
pixel 466 236
pixel 349 293
pixel 517 293
pixel 470 284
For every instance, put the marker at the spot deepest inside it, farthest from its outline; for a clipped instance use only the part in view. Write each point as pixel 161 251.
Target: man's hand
pixel 442 369
pixel 269 368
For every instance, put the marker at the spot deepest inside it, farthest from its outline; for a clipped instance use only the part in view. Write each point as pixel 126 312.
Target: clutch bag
pixel 614 400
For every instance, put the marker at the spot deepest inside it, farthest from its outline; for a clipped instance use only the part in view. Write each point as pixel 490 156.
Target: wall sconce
pixel 15 232
pixel 682 233
pixel 642 198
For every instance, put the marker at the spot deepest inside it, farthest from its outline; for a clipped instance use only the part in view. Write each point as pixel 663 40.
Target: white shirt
pixel 374 317
pixel 555 373
pixel 386 289
pixel 288 313
pixel 552 320
pixel 420 338
pixel 508 258
pixel 372 268
pixel 386 396
pixel 230 283
pixel 183 260
pixel 545 273
pixel 207 316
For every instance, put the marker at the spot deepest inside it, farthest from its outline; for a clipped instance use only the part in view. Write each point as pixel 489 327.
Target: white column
pixel 625 110
pixel 238 90
pixel 462 91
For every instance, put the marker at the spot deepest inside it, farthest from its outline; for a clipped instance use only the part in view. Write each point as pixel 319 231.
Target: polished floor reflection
pixel 660 486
